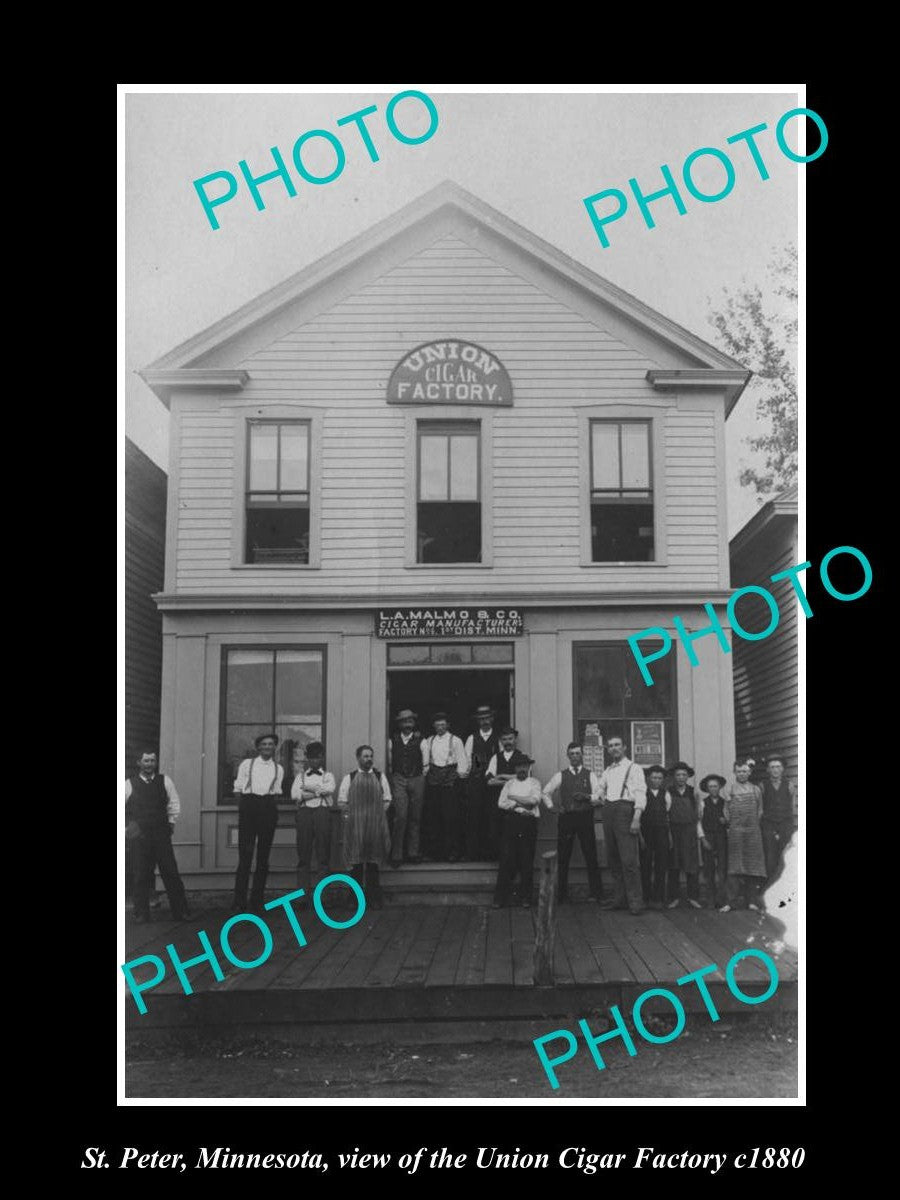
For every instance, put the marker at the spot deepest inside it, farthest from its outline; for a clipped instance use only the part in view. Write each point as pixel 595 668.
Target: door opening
pixel 455 691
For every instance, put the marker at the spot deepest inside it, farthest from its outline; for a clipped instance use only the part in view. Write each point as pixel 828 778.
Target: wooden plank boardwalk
pixel 453 962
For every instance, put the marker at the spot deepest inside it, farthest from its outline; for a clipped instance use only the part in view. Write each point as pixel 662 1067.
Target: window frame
pixel 278 492
pixel 671 722
pixel 246 415
pixel 225 791
pixel 654 415
pixel 481 423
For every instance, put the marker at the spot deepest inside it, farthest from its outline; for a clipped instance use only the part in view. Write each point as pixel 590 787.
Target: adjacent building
pixel 443 466
pixel 145 538
pixel 765 672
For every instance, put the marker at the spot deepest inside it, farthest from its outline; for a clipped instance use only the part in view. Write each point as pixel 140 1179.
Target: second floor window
pixel 278 492
pixel 449 498
pixel 621 492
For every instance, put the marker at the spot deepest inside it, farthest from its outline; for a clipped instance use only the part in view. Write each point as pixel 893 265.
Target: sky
pixel 533 155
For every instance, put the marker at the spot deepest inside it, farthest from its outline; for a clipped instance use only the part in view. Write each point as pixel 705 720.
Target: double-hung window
pixel 448 510
pixel 621 492
pixel 277 524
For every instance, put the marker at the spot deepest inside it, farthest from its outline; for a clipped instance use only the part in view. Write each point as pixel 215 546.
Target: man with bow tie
pixel 313 791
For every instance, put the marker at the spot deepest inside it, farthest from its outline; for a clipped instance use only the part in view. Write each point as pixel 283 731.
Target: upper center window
pixel 278 492
pixel 449 497
pixel 621 492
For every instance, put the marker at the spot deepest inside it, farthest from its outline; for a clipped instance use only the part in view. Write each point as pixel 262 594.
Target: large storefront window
pixel 612 700
pixel 264 690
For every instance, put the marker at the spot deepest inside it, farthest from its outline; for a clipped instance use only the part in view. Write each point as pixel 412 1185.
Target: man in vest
pixel 364 798
pixel 313 791
pixel 579 794
pixel 624 793
pixel 445 763
pixel 258 789
pixel 655 837
pixel 407 786
pixel 779 798
pixel 502 767
pixel 483 814
pixel 151 810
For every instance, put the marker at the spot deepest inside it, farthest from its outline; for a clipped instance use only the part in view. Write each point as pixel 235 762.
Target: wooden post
pixel 545 933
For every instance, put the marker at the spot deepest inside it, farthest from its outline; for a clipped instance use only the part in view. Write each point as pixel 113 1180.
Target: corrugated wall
pixel 765 672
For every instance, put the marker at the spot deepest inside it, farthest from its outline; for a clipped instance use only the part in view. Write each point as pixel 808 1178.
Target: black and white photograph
pixel 463 595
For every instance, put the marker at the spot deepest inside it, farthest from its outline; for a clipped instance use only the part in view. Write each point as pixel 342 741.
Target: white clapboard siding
pixel 340 362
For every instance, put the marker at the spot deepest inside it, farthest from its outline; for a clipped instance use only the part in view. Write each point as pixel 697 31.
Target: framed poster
pixel 648 742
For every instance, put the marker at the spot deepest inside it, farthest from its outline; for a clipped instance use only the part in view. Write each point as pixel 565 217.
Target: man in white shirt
pixel 445 763
pixel 578 795
pixel 624 793
pixel 151 810
pixel 313 792
pixel 258 789
pixel 482 813
pixel 520 805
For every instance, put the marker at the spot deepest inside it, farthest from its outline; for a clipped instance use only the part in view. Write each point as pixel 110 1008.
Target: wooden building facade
pixel 443 466
pixel 766 672
pixel 145 552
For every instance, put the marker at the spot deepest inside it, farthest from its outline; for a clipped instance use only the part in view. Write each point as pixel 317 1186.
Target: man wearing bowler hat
pixel 445 764
pixel 258 789
pixel 482 817
pixel 407 786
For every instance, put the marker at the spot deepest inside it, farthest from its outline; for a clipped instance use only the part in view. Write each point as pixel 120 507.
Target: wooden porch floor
pixel 453 962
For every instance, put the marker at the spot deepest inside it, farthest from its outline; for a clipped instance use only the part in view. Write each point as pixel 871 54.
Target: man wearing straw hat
pixel 407 786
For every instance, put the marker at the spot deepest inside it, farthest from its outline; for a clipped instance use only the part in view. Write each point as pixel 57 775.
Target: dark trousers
pixel 692 885
pixel 622 849
pixel 409 794
pixel 314 831
pixel 775 836
pixel 715 862
pixel 151 850
pixel 368 877
pixel 482 820
pixel 442 822
pixel 654 862
pixel 518 837
pixel 257 818
pixel 572 825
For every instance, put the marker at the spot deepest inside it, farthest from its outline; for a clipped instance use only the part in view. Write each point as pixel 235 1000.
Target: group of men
pixel 445 800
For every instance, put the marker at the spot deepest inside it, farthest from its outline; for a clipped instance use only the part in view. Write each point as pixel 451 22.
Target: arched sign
pixel 450 372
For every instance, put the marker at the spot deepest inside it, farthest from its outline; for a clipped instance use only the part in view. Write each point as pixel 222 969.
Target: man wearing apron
pixel 445 764
pixel 258 789
pixel 482 816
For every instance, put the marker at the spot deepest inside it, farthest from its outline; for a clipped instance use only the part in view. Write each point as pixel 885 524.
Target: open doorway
pixel 453 690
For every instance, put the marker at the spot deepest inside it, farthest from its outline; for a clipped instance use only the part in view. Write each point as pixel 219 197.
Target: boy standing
pixel 715 838
pixel 655 833
pixel 684 825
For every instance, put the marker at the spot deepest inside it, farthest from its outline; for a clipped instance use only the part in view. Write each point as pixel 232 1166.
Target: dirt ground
pixel 744 1056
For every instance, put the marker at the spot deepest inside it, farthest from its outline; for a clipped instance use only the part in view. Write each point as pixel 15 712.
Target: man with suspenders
pixel 445 764
pixel 624 793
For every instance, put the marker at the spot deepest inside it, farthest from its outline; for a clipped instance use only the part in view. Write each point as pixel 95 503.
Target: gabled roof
pixel 193 363
pixel 779 508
